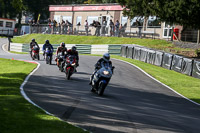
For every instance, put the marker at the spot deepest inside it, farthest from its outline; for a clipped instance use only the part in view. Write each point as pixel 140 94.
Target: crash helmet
pixel 47 41
pixel 73 48
pixel 106 57
pixel 62 44
pixel 33 40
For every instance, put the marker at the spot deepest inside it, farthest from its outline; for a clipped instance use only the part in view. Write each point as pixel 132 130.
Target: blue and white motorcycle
pixel 48 54
pixel 101 79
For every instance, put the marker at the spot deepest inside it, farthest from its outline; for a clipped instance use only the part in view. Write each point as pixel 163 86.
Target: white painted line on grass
pixel 158 81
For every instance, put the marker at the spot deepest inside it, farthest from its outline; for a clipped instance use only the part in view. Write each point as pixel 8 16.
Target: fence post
pixel 198 37
pixel 9 40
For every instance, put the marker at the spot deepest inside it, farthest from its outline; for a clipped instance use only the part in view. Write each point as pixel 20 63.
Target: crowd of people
pixel 101 29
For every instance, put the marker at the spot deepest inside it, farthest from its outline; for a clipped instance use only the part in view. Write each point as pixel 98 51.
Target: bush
pixel 197 51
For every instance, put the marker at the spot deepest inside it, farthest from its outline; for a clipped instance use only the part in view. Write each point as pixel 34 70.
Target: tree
pixel 182 12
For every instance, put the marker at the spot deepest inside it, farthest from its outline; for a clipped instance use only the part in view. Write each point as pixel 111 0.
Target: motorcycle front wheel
pixel 101 88
pixel 68 74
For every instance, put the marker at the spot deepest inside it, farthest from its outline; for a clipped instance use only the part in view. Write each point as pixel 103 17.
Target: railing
pixel 7 32
pixel 122 31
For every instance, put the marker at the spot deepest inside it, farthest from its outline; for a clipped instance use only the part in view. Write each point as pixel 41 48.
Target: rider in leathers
pixel 105 59
pixel 32 44
pixel 46 45
pixel 73 51
pixel 61 49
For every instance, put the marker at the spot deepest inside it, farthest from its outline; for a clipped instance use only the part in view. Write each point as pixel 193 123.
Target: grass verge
pixel 18 52
pixel 183 84
pixel 16 114
pixel 71 39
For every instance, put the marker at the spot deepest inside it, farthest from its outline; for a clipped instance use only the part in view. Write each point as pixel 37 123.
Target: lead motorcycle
pixel 60 60
pixel 70 66
pixel 101 79
pixel 48 54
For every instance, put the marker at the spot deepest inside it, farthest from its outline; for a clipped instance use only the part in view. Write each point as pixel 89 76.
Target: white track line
pixel 159 81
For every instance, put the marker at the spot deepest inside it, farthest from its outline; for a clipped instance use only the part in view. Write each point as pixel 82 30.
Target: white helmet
pixel 106 57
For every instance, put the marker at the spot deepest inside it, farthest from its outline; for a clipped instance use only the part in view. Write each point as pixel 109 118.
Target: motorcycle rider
pixel 63 50
pixel 32 44
pixel 104 60
pixel 73 52
pixel 46 45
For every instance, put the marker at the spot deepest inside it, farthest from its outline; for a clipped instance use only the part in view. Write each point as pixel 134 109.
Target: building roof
pixel 86 7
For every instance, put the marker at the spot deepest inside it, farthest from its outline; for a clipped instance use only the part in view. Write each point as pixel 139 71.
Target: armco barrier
pixel 177 63
pixel 167 60
pixel 196 69
pixel 83 49
pixel 123 50
pixel 114 49
pixel 136 53
pixel 158 58
pixel 186 67
pixel 99 49
pixel 130 51
pixel 143 54
pixel 151 55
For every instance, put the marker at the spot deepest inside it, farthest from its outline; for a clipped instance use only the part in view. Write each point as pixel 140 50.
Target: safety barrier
pixel 82 48
pixel 169 61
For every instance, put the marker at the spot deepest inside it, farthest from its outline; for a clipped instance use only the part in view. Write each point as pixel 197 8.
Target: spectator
pixel 98 28
pixel 139 25
pixel 117 28
pixel 86 27
pixel 111 28
pixel 104 24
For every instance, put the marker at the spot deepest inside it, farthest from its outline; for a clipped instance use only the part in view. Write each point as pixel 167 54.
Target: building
pixel 150 27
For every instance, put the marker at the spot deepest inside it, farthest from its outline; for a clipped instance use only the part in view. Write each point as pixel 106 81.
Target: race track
pixel 132 102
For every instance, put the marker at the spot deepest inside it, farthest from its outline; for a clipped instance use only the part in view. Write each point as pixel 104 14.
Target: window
pixel 1 23
pixel 57 18
pixel 153 22
pixel 9 24
pixel 78 19
pixel 124 21
pixel 134 23
pixel 68 18
pixel 91 18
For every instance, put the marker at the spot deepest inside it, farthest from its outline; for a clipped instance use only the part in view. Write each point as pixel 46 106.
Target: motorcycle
pixel 48 54
pixel 35 53
pixel 70 66
pixel 60 61
pixel 101 79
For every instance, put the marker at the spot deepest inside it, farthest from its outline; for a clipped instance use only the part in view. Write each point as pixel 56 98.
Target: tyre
pixel 101 88
pixel 47 58
pixel 50 60
pixel 92 89
pixel 68 74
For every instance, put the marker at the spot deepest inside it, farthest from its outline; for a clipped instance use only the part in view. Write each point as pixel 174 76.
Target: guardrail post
pixel 9 40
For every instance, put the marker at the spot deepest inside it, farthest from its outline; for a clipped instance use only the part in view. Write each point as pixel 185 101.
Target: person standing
pixel 117 24
pixel 111 28
pixel 86 27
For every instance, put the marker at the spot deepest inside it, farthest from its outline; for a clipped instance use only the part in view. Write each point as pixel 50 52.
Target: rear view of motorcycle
pixel 35 53
pixel 70 66
pixel 49 54
pixel 101 79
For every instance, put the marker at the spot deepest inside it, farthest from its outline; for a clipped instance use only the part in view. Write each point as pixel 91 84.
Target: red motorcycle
pixel 35 53
pixel 70 66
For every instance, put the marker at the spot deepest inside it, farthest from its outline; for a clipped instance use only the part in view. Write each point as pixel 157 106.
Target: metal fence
pixel 122 31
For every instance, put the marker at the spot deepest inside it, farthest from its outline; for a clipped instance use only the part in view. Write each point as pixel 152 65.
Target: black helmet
pixel 33 40
pixel 106 57
pixel 47 41
pixel 73 48
pixel 62 44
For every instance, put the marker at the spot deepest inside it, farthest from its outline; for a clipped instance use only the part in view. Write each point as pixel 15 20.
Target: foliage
pixel 197 51
pixel 182 12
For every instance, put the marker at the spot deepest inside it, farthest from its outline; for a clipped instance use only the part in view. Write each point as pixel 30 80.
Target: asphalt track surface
pixel 132 102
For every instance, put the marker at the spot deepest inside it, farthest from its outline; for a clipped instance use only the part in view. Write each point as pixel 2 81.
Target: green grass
pixel 183 84
pixel 16 114
pixel 71 39
pixel 18 52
